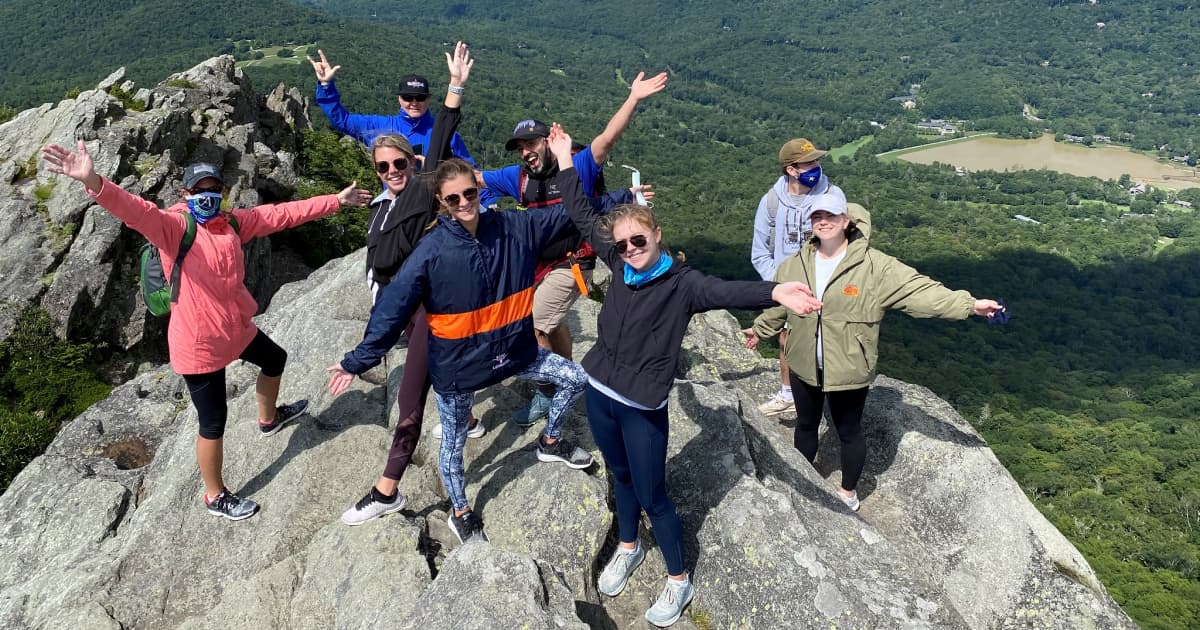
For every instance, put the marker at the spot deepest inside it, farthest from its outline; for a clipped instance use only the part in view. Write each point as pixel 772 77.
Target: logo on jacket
pixel 500 361
pixel 850 290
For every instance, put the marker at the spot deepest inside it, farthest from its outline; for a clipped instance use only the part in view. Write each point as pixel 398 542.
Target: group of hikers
pixel 482 294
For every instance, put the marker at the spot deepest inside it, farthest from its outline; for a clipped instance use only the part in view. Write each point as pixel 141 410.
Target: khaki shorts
pixel 554 296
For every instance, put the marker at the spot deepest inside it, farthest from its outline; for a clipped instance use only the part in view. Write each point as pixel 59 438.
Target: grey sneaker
pixel 372 506
pixel 231 506
pixel 284 414
pixel 670 603
pixel 616 573
pixel 537 409
pixel 563 451
pixel 467 527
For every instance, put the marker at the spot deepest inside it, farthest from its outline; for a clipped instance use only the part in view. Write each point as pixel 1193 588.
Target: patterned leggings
pixel 455 411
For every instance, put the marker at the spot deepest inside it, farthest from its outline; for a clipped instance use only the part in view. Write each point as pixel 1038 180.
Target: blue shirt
pixel 507 181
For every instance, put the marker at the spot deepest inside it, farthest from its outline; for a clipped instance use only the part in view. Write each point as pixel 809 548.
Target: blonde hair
pixel 393 141
pixel 628 211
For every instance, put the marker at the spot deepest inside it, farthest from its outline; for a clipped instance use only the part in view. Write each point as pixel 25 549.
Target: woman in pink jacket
pixel 211 324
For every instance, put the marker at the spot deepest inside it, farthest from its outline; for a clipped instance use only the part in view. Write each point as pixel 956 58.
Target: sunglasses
pixel 415 98
pixel 399 163
pixel 622 246
pixel 201 191
pixel 469 194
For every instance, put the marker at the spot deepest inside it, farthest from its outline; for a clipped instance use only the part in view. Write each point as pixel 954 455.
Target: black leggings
pixel 846 410
pixel 208 390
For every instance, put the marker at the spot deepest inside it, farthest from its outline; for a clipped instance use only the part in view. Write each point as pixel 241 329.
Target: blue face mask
pixel 204 206
pixel 809 178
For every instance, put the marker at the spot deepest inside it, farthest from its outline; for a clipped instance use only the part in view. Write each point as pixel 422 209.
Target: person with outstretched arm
pixel 832 352
pixel 631 369
pixel 565 266
pixel 211 323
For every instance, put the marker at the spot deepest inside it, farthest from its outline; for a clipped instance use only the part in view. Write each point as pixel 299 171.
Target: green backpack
pixel 157 292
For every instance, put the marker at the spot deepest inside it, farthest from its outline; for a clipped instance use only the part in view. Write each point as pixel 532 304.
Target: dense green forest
pixel 1089 396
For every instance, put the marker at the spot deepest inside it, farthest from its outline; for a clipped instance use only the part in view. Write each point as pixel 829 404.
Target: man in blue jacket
pixel 414 121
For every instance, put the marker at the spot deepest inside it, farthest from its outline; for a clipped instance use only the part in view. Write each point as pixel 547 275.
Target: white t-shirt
pixel 824 268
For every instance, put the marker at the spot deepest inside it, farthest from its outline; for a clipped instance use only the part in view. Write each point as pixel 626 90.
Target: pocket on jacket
pixel 869 352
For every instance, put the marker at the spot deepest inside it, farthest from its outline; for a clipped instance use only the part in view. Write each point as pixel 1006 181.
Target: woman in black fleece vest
pixel 632 366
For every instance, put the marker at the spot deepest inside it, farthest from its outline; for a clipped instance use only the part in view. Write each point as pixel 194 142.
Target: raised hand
pixel 647 191
pixel 751 338
pixel 77 165
pixel 560 145
pixel 641 87
pixel 987 308
pixel 340 379
pixel 352 195
pixel 796 296
pixel 460 64
pixel 324 70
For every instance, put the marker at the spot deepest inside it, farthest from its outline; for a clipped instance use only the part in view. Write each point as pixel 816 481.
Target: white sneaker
pixel 670 603
pixel 616 573
pixel 776 405
pixel 476 430
pixel 372 506
pixel 850 501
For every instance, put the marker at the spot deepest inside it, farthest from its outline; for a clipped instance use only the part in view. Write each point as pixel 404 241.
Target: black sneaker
pixel 284 414
pixel 467 527
pixel 231 506
pixel 563 451
pixel 372 506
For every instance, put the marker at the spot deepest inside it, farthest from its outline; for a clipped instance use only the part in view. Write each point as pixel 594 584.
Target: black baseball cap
pixel 413 85
pixel 193 173
pixel 527 130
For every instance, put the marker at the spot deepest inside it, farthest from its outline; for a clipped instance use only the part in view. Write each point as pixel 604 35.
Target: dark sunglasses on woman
pixel 399 163
pixel 415 98
pixel 469 194
pixel 622 246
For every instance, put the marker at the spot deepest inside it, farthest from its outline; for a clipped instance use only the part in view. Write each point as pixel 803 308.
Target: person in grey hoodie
pixel 781 226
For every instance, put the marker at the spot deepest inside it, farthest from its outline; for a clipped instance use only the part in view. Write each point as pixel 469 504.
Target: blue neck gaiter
pixel 204 206
pixel 634 278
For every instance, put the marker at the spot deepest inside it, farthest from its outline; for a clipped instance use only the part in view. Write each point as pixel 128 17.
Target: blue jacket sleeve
pixel 390 316
pixel 459 149
pixel 361 127
pixel 504 181
pixel 589 170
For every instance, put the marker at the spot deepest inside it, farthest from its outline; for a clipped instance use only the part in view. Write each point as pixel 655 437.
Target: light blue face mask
pixel 809 178
pixel 204 206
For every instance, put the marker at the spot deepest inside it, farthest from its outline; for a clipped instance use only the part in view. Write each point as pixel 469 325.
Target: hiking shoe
pixel 670 603
pixel 616 573
pixel 231 506
pixel 850 501
pixel 537 409
pixel 563 451
pixel 468 527
pixel 474 430
pixel 372 506
pixel 284 414
pixel 776 405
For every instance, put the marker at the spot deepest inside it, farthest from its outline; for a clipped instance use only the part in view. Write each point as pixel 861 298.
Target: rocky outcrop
pixel 106 530
pixel 70 257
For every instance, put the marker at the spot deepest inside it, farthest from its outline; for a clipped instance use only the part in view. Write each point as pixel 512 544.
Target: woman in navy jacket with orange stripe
pixel 474 274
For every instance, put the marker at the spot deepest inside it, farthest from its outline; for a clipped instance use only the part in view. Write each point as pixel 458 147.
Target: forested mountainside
pixel 1089 396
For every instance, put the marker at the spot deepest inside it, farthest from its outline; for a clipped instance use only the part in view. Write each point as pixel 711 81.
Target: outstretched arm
pixel 444 126
pixel 583 214
pixel 641 88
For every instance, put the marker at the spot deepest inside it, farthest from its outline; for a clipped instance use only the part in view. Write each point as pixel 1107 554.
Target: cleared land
pixel 1107 162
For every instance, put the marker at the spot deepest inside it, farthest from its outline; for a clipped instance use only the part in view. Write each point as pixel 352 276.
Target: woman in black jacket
pixel 632 366
pixel 399 217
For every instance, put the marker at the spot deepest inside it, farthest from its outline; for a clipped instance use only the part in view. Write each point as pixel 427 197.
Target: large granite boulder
pixel 107 530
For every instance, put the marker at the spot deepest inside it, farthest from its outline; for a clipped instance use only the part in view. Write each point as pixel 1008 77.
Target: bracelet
pixel 457 89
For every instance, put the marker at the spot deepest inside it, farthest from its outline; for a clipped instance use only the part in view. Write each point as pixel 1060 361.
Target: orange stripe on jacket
pixel 497 315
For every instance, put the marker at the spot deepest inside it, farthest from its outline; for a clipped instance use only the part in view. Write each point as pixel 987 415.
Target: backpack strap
pixel 233 222
pixel 189 237
pixel 772 210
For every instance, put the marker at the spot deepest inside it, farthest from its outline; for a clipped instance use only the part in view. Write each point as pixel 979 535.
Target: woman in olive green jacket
pixel 832 352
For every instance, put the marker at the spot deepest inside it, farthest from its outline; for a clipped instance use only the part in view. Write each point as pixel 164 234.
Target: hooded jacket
pixel 640 329
pixel 865 284
pixel 211 324
pixel 788 226
pixel 478 297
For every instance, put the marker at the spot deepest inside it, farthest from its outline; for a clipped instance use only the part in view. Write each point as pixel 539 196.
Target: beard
pixel 546 165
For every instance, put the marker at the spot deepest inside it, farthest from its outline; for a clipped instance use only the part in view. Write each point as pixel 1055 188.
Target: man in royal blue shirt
pixel 413 121
pixel 567 263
